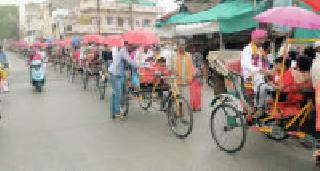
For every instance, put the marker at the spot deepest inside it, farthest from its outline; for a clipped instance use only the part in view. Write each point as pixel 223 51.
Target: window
pixel 138 23
pixel 109 20
pixel 129 22
pixel 94 21
pixel 120 22
pixel 146 23
pixel 69 28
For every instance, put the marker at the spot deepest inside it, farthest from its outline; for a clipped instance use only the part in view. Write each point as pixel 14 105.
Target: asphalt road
pixel 66 128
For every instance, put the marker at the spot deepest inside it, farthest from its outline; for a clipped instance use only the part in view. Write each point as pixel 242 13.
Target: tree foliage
pixel 9 21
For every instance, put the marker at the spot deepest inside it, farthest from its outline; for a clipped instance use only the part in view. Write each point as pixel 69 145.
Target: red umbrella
pixel 315 4
pixel 36 44
pixel 144 37
pixel 61 43
pixel 44 44
pixel 114 40
pixel 21 43
pixel 92 38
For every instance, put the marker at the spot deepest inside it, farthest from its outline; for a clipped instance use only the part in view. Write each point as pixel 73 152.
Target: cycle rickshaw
pixel 94 67
pixel 232 114
pixel 155 81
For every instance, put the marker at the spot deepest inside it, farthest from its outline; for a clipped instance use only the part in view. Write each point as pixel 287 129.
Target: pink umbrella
pixel 61 43
pixel 144 37
pixel 44 44
pixel 21 43
pixel 114 40
pixel 92 38
pixel 36 44
pixel 291 17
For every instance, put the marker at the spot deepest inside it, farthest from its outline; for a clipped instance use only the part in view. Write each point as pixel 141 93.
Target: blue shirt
pixel 3 58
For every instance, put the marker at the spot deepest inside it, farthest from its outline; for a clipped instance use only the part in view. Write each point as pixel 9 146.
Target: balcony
pixel 83 29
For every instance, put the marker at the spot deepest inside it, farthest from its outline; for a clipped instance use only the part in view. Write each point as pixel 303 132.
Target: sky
pixel 169 5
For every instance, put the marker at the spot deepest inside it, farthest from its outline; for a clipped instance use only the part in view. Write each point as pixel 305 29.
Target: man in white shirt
pixel 254 63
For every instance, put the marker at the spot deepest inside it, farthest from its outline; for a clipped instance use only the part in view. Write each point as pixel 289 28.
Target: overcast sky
pixel 169 5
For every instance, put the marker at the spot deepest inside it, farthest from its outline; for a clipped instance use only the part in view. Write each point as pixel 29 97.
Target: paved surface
pixel 66 128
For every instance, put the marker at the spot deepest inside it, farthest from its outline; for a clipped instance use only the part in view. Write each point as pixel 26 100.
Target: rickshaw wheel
pixel 124 103
pixel 180 125
pixel 145 100
pixel 279 134
pixel 228 128
pixel 101 86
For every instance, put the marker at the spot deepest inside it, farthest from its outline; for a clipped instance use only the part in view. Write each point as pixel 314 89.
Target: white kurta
pixel 315 70
pixel 248 67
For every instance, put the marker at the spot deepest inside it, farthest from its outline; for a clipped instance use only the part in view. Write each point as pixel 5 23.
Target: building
pixel 115 17
pixel 35 21
pixel 31 22
pixel 59 19
pixel 199 5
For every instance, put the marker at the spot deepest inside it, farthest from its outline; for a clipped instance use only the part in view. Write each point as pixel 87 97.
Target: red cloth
pixel 318 105
pixel 77 55
pixel 292 88
pixel 195 94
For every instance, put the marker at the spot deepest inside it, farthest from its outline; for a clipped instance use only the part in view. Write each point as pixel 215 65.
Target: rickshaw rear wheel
pixel 227 120
pixel 145 100
pixel 185 117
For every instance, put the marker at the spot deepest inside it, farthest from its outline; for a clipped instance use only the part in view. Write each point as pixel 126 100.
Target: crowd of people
pixel 188 66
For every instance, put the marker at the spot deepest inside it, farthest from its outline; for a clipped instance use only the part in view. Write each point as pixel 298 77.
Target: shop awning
pixel 173 19
pixel 304 33
pixel 232 15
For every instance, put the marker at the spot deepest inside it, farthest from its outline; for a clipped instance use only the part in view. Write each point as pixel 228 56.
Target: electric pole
pixel 98 17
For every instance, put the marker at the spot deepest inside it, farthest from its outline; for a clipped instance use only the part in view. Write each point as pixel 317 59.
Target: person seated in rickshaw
pixel 296 79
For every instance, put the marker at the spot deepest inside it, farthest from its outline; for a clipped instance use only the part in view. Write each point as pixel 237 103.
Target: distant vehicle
pixel 37 74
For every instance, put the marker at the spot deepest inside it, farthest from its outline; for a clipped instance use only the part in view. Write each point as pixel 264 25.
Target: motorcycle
pixel 37 77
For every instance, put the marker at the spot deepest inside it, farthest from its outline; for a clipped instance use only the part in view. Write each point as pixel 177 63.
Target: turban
pixel 258 34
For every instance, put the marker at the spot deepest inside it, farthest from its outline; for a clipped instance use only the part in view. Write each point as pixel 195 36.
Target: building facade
pixel 115 17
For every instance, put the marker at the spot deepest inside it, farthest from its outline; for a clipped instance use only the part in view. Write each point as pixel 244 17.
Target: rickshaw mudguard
pixel 226 99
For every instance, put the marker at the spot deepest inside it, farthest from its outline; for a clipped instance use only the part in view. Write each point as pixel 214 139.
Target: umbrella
pixel 60 43
pixel 92 38
pixel 76 40
pixel 290 16
pixel 114 40
pixel 144 37
pixel 44 44
pixel 36 44
pixel 315 4
pixel 21 43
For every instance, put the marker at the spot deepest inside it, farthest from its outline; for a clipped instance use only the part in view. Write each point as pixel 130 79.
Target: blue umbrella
pixel 50 40
pixel 76 40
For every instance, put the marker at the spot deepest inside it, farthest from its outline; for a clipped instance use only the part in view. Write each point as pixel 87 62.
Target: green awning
pixel 305 33
pixel 140 2
pixel 173 19
pixel 232 15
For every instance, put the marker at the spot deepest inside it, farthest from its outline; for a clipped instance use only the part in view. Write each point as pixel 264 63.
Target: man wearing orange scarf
pixel 183 68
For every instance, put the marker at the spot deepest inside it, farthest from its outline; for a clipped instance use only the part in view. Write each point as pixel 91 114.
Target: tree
pixel 9 20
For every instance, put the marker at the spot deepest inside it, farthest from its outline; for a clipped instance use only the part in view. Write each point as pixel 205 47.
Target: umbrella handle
pixel 274 110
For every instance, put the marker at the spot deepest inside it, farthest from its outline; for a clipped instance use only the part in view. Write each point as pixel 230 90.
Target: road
pixel 66 128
